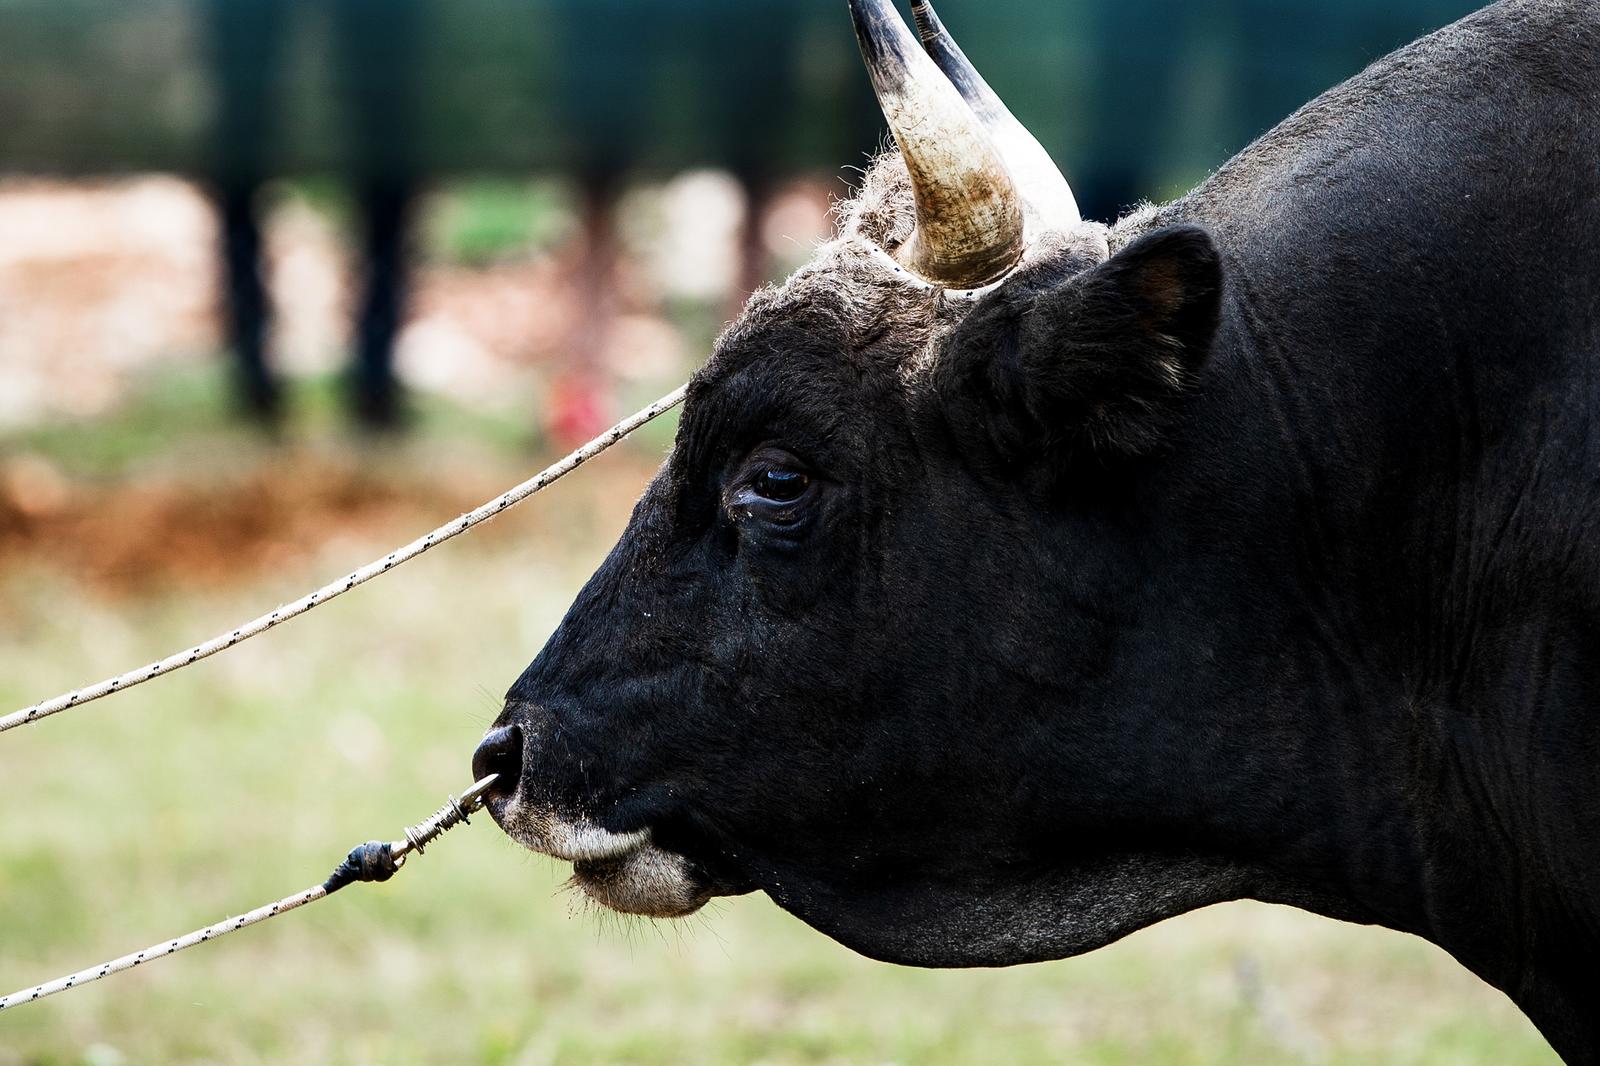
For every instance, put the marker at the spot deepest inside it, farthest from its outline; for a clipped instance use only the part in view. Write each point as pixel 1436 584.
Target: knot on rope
pixel 373 861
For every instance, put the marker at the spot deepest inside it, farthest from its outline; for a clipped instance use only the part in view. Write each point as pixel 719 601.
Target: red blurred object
pixel 577 409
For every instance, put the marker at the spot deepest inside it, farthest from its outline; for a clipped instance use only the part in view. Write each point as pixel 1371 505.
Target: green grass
pixel 248 776
pixel 175 403
pixel 484 221
pixel 473 221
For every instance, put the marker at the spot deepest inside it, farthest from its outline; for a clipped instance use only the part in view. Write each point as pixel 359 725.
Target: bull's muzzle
pixel 623 871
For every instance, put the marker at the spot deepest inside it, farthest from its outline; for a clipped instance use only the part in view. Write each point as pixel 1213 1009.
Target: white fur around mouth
pixel 574 841
pixel 623 871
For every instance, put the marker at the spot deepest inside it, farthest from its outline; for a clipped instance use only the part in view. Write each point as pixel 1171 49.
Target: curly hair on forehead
pixel 883 208
pixel 847 285
pixel 849 290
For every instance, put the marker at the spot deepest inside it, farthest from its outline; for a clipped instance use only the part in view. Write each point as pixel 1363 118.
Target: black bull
pixel 1261 559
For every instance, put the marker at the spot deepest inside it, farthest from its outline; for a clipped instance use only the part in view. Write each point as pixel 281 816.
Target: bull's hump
pixel 1436 121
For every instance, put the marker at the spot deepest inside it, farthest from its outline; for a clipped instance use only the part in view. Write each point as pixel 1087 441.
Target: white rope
pixel 162 950
pixel 451 814
pixel 344 584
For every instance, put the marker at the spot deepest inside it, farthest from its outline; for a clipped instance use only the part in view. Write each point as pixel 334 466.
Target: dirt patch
pixel 168 531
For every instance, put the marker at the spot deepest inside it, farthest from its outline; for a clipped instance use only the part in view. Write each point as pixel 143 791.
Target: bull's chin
pixel 626 872
pixel 647 881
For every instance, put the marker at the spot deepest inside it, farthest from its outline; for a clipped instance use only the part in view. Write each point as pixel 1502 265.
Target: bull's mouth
pixel 626 872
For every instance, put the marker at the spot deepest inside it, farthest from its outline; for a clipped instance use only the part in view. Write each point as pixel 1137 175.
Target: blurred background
pixel 284 283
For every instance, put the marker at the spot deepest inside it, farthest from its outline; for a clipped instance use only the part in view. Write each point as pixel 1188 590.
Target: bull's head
pixel 874 640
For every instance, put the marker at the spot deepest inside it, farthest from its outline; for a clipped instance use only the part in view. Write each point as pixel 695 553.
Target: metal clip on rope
pixel 372 861
pixel 378 860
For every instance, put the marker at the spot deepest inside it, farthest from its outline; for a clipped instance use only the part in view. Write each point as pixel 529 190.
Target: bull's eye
pixel 774 491
pixel 780 486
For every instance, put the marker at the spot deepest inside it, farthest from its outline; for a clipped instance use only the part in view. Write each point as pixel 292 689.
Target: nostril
pixel 500 752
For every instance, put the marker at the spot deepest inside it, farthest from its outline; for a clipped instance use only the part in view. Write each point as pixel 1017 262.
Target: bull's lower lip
pixel 572 840
pixel 626 872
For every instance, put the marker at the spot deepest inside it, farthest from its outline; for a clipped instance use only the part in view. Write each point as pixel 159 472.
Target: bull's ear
pixel 1095 362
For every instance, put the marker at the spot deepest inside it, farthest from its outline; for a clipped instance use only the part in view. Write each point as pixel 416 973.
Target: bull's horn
pixel 1046 196
pixel 969 215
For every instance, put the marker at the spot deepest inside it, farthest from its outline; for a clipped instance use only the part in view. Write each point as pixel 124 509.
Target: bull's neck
pixel 1389 689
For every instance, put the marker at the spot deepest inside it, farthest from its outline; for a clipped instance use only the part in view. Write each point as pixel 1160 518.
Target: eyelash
pixel 774 489
pixel 778 484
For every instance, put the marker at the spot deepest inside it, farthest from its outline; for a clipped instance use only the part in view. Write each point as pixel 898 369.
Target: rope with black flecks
pixel 372 861
pixel 256 626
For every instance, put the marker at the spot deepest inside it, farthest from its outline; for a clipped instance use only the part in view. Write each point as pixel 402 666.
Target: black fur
pixel 1261 559
pixel 1062 362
